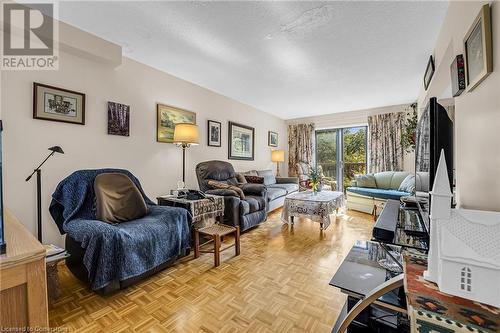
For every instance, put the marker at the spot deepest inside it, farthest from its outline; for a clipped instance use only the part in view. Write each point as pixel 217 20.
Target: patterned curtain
pixel 300 146
pixel 386 151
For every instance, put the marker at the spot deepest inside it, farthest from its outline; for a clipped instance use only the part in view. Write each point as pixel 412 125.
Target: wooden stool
pixel 216 232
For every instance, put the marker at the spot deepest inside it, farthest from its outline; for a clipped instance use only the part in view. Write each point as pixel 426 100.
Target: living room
pixel 298 128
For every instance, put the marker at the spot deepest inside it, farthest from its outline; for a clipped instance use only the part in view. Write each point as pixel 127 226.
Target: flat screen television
pixel 2 239
pixel 434 133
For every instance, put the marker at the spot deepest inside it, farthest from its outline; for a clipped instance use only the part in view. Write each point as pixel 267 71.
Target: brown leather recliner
pixel 245 213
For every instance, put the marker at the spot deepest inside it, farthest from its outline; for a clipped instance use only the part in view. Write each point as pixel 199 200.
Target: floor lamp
pixel 38 171
pixel 278 156
pixel 185 135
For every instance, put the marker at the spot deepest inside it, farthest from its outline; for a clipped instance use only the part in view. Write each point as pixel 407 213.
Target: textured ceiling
pixel 291 59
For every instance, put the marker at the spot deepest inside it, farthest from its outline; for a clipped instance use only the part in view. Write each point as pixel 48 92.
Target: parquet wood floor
pixel 279 283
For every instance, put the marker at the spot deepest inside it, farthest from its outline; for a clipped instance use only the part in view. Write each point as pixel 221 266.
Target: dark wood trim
pixel 35 116
pixel 269 139
pixel 208 133
pixel 229 139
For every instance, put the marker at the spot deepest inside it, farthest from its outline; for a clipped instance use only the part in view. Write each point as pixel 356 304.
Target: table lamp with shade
pixel 185 136
pixel 278 156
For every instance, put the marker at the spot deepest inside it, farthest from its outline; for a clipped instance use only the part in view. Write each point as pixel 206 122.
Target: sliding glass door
pixel 341 152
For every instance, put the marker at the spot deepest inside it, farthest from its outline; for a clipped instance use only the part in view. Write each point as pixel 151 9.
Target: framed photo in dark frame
pixel 272 139
pixel 214 130
pixel 241 139
pixel 58 104
pixel 457 72
pixel 429 72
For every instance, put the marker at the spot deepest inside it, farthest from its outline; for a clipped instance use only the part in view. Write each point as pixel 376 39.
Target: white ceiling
pixel 291 59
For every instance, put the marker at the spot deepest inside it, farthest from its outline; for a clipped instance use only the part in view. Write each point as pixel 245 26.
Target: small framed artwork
pixel 478 49
pixel 429 72
pixel 166 118
pixel 214 133
pixel 241 141
pixel 58 104
pixel 272 139
pixel 457 71
pixel 118 119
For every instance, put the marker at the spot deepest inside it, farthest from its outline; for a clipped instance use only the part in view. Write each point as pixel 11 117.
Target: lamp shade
pixel 186 133
pixel 278 156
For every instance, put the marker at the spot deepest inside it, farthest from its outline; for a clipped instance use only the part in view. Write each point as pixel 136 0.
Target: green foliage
pixel 408 134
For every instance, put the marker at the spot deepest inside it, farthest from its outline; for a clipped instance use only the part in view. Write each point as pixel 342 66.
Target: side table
pixel 216 232
pixel 204 212
pixel 53 283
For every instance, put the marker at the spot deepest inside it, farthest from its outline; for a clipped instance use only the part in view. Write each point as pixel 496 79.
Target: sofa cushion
pixel 408 184
pixel 252 204
pixel 377 193
pixel 390 180
pixel 269 177
pixel 367 180
pixel 275 193
pixel 254 179
pixel 398 178
pixel 288 187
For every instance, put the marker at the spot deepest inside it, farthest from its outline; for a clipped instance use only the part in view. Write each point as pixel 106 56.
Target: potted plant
pixel 315 179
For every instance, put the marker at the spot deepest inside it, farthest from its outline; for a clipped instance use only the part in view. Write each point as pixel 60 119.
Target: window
pixel 466 279
pixel 341 153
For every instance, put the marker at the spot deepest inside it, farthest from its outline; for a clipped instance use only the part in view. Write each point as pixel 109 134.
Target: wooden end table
pixel 216 232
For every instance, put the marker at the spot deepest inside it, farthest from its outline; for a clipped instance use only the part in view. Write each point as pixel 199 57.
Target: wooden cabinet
pixel 23 285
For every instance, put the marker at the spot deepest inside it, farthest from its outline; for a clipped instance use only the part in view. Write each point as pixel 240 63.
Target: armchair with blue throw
pixel 110 256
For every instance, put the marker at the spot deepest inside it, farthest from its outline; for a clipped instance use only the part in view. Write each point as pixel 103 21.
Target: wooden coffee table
pixel 315 206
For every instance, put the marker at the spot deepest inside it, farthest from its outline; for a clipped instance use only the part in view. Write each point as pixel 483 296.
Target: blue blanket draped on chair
pixel 116 252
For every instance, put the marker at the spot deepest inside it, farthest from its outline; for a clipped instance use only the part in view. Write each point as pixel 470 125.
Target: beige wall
pixel 477 113
pixel 356 118
pixel 157 165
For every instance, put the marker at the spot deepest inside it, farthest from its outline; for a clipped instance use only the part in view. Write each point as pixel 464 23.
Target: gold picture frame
pixel 167 117
pixel 478 49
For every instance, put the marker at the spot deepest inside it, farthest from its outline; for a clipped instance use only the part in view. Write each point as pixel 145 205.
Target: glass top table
pixel 368 265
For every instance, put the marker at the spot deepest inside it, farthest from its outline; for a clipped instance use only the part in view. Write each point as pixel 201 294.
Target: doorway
pixel 342 153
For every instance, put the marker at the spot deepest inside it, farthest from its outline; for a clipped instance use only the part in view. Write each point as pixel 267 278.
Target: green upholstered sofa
pixel 370 190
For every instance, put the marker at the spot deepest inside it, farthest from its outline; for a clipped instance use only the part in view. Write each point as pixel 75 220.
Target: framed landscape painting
pixel 166 118
pixel 118 119
pixel 479 49
pixel 214 133
pixel 58 104
pixel 241 142
pixel 272 139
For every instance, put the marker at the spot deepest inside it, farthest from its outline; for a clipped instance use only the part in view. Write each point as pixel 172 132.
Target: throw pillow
pixel 254 179
pixel 241 178
pixel 367 180
pixel 268 175
pixel 408 184
pixel 224 186
pixel 117 198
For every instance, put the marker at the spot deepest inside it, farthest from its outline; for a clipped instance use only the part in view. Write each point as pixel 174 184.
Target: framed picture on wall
pixel 58 104
pixel 118 119
pixel 241 141
pixel 166 118
pixel 478 49
pixel 429 72
pixel 272 139
pixel 214 133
